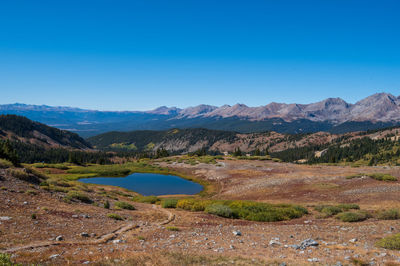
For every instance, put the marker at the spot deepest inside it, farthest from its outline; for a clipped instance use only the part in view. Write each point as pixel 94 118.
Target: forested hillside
pixel 20 128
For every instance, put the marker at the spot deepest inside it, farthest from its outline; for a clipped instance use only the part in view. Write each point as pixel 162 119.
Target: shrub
pixel 115 216
pixel 44 184
pixel 348 206
pixel 20 174
pixel 382 177
pixel 390 242
pixel 169 203
pixel 107 204
pixel 146 199
pixel 5 164
pixel 31 192
pixel 124 205
pixel 328 210
pixel 353 216
pixel 5 260
pixel 264 212
pixel 33 216
pixel 193 204
pixel 220 210
pixel 391 214
pixel 376 176
pixel 78 196
pixel 172 228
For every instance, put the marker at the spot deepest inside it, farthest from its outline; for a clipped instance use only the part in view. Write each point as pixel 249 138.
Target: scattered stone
pixel 354 240
pixel 84 234
pixel 117 241
pixel 5 218
pixel 308 243
pixel 237 233
pixel 275 242
pixel 54 256
pixel 313 260
pixel 59 238
pixel 25 203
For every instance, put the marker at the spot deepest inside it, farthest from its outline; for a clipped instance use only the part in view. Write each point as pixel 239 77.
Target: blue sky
pixel 137 55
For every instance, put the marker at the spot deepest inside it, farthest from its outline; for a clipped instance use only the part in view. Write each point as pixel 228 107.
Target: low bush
pixel 348 206
pixel 75 195
pixel 107 204
pixel 20 174
pixel 382 177
pixel 115 216
pixel 391 214
pixel 376 176
pixel 264 212
pixel 169 203
pixel 390 242
pixel 5 164
pixel 124 205
pixel 146 199
pixel 353 216
pixel 31 192
pixel 247 210
pixel 193 204
pixel 6 261
pixel 331 210
pixel 172 228
pixel 220 210
pixel 33 216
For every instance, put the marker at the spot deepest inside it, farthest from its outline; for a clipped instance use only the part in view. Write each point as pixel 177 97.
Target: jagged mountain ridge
pixel 382 107
pixel 332 114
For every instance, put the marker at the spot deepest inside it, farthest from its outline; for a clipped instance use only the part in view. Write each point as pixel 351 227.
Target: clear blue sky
pixel 137 55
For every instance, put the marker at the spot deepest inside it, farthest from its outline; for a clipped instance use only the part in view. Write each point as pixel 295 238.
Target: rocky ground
pixel 79 233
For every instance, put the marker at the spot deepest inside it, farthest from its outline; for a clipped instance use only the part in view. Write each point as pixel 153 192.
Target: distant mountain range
pixel 333 115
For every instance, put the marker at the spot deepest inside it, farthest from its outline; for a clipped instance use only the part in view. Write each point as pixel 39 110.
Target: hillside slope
pixel 378 146
pixel 19 128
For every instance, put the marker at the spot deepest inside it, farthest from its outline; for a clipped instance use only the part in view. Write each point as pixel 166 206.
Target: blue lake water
pixel 149 184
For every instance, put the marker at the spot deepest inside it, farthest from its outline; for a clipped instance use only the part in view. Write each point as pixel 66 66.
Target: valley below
pixel 41 224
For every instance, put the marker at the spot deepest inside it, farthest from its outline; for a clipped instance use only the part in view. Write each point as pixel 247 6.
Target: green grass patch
pixel 390 242
pixel 220 210
pixel 332 210
pixel 5 164
pixel 146 199
pixel 348 206
pixel 6 261
pixel 376 176
pixel 115 216
pixel 59 166
pixel 124 205
pixel 169 203
pixel 246 210
pixel 172 228
pixel 391 214
pixel 352 217
pixel 76 195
